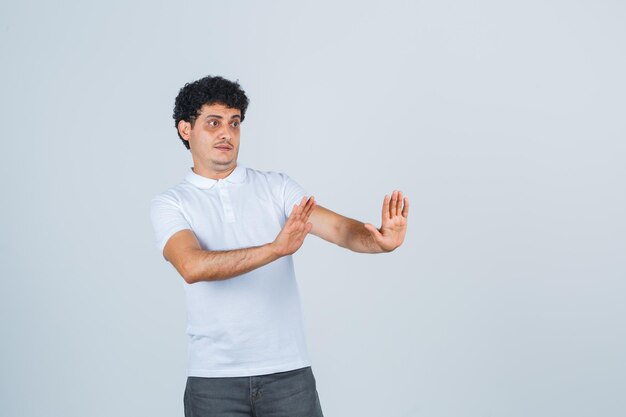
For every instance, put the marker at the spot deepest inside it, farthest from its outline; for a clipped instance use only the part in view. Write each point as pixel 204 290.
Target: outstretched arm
pixel 364 237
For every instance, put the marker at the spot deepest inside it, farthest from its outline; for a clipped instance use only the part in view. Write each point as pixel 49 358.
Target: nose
pixel 225 135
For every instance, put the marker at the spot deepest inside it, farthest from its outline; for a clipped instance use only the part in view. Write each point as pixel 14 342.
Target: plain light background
pixel 504 123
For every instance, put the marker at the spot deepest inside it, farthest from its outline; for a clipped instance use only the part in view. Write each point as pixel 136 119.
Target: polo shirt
pixel 251 324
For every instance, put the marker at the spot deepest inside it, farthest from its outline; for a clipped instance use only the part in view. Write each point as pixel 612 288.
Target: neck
pixel 213 173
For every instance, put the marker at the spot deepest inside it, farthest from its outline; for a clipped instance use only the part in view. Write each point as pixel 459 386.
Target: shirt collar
pixel 237 176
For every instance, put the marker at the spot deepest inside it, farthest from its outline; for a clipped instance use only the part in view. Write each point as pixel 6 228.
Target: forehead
pixel 220 110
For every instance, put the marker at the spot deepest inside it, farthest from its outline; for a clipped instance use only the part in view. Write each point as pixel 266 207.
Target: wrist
pixel 274 251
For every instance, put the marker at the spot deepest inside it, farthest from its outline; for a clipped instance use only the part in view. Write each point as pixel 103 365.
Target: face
pixel 214 138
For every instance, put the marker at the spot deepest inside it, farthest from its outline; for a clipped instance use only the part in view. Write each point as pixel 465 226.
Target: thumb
pixel 373 230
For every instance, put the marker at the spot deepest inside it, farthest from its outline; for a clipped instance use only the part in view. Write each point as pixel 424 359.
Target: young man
pixel 230 232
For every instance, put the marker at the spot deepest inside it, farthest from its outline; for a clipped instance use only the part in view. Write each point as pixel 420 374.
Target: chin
pixel 224 163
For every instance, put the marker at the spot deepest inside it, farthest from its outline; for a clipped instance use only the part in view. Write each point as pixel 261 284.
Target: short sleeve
pixel 167 218
pixel 292 194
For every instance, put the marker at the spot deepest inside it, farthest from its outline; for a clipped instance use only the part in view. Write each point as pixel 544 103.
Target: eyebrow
pixel 217 116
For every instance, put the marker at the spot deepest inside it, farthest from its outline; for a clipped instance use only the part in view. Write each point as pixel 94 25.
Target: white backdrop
pixel 502 121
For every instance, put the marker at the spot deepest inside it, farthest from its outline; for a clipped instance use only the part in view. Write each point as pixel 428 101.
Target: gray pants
pixel 283 394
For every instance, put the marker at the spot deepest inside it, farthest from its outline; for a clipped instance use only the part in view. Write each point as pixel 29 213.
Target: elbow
pixel 192 272
pixel 188 278
pixel 188 272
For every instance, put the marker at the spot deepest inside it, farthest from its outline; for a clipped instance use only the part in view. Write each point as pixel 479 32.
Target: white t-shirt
pixel 250 324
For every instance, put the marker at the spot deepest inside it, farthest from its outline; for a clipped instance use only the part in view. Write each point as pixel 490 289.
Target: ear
pixel 184 129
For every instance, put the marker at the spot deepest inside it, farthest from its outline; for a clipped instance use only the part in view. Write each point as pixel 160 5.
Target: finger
pixel 302 216
pixel 394 203
pixel 399 207
pixel 405 210
pixel 295 212
pixel 302 204
pixel 386 207
pixel 309 207
pixel 309 211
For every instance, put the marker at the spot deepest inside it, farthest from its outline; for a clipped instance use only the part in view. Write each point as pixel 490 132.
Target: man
pixel 230 232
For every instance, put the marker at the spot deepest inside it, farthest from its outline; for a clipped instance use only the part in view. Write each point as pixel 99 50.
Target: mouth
pixel 224 148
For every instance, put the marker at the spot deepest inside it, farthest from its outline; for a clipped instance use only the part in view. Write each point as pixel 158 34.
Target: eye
pixel 214 123
pixel 235 123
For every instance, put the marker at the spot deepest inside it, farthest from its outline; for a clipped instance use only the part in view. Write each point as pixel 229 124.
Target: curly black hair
pixel 208 90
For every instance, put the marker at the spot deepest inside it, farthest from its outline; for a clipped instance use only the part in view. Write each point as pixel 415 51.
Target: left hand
pixel 394 218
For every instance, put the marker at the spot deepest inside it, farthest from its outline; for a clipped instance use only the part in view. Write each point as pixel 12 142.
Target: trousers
pixel 283 394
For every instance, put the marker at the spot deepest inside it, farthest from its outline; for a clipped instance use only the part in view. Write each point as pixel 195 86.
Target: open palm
pixel 394 222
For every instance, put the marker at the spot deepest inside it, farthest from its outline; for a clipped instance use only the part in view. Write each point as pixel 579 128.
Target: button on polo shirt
pixel 251 324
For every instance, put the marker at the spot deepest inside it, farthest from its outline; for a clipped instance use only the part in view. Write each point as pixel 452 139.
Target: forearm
pixel 354 236
pixel 205 265
pixel 359 237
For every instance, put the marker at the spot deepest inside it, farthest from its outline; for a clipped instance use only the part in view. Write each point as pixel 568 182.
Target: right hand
pixel 295 229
